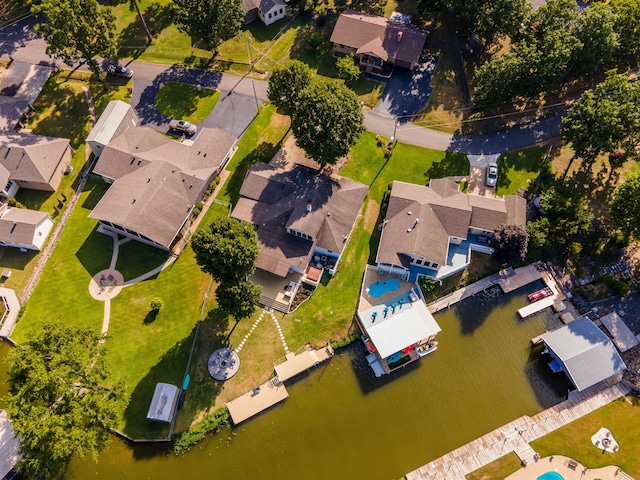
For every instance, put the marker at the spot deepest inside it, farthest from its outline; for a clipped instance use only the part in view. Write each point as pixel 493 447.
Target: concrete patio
pixel 568 468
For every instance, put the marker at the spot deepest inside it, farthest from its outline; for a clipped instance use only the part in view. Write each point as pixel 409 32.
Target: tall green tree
pixel 595 30
pixel 566 214
pixel 605 120
pixel 238 299
pixel 625 207
pixel 59 402
pixel 327 121
pixel 628 27
pixel 510 243
pixel 286 83
pixel 77 30
pixel 213 21
pixel 226 249
pixel 347 68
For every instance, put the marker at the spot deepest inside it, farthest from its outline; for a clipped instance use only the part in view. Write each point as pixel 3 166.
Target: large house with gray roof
pixel 376 41
pixel 432 230
pixel 299 215
pixel 156 182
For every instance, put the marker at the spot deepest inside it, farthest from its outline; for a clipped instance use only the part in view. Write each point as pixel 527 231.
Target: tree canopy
pixel 226 249
pixel 213 21
pixel 605 120
pixel 58 401
pixel 286 83
pixel 77 30
pixel 327 121
pixel 510 243
pixel 625 207
pixel 238 299
pixel 347 68
pixel 628 28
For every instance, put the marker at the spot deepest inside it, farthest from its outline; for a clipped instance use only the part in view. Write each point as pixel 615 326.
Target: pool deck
pixel 372 276
pixel 514 436
pixel 560 464
pixel 250 404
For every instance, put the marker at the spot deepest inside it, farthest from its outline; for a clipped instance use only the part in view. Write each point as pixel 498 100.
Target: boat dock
pixel 515 436
pixel 296 363
pixel 623 337
pixel 546 302
pixel 257 400
pixel 521 276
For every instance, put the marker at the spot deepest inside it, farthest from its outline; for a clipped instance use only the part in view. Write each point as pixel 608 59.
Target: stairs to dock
pixel 274 304
pixel 526 454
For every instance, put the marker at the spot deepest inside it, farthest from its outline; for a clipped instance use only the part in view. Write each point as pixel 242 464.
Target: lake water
pixel 341 422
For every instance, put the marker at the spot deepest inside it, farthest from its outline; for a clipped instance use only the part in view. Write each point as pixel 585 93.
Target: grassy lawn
pixel 135 259
pixel 501 468
pixel 259 143
pixel 61 110
pixel 185 102
pixel 622 417
pixel 518 169
pixel 63 290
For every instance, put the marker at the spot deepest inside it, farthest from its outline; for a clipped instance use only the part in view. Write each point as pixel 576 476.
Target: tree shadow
pixel 548 387
pixel 16 36
pixel 150 317
pixel 133 41
pixel 453 164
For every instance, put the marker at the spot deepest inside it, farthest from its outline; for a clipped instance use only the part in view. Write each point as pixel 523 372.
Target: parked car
pixel 119 71
pixel 182 126
pixel 492 175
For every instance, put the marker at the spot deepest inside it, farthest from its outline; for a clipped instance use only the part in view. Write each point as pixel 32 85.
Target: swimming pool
pixel 550 476
pixel 384 286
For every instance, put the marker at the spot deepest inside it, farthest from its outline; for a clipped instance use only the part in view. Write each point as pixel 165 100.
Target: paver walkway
pixel 484 450
pixel 255 325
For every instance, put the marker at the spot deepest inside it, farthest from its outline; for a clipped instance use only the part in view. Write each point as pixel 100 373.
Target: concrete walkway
pixel 457 464
pixel 13 308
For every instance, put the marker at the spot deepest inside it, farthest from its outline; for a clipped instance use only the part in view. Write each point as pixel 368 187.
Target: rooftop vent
pixel 308 207
pixel 409 230
pixel 328 214
pixel 148 180
pixel 399 36
pixel 133 201
pixel 409 212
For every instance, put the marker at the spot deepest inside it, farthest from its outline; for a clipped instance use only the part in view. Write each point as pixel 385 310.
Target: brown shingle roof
pixel 379 36
pixel 31 158
pixel 420 220
pixel 158 180
pixel 275 199
pixel 18 225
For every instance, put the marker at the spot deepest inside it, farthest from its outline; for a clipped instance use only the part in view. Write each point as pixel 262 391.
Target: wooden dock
pixel 522 276
pixel 256 401
pixel 296 363
pixel 515 435
pixel 546 302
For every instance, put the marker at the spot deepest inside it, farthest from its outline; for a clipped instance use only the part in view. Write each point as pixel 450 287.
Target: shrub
pixel 426 284
pixel 345 341
pixel 156 304
pixel 315 40
pixel 185 440
pixel 15 203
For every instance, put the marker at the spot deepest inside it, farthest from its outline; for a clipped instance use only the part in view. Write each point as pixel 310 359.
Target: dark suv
pixel 119 71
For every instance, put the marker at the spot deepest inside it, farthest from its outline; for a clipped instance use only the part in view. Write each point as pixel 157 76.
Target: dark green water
pixel 341 422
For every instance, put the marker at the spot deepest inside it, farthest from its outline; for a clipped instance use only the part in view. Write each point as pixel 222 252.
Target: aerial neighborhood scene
pixel 309 239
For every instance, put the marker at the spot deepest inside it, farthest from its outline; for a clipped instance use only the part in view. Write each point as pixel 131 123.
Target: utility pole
pixel 253 84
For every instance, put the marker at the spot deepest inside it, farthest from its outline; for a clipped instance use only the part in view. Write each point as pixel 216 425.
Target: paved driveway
pixel 407 92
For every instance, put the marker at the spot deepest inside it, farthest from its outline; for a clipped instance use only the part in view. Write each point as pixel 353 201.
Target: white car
pixel 182 126
pixel 492 175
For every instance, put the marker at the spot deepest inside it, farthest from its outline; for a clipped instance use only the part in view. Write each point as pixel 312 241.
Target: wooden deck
pixel 256 401
pixel 514 435
pixel 295 364
pixel 540 305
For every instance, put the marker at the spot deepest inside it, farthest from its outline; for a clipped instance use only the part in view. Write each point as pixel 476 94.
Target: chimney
pixel 399 36
pixel 308 207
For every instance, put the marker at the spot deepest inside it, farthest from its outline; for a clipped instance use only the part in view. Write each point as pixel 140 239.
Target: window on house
pixel 280 12
pixel 434 265
pixel 269 15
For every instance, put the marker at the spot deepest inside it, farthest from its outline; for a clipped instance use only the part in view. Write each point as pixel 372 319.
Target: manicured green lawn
pixel 63 290
pixel 329 312
pixel 501 468
pixel 135 259
pixel 518 169
pixel 622 417
pixel 185 102
pixel 236 49
pixel 260 143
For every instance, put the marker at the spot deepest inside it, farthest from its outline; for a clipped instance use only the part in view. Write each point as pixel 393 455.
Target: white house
pixel 269 11
pixel 115 120
pixel 22 228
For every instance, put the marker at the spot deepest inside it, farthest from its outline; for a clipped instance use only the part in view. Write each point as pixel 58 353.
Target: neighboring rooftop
pixel 301 199
pixel 586 352
pixel 384 38
pixel 18 225
pixel 110 122
pixel 9 445
pixel 422 220
pixel 31 158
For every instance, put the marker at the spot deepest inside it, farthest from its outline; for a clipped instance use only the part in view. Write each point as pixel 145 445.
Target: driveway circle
pixel 106 284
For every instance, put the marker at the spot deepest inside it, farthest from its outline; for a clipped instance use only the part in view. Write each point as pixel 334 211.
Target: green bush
pixel 426 284
pixel 345 341
pixel 315 40
pixel 156 304
pixel 619 287
pixel 15 203
pixel 185 440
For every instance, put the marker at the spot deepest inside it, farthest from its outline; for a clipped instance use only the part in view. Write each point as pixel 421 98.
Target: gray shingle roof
pixel 586 352
pixel 379 36
pixel 275 199
pixel 31 158
pixel 158 180
pixel 18 225
pixel 421 219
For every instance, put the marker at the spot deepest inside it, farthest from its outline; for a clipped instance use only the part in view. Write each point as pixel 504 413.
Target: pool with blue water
pixel 385 286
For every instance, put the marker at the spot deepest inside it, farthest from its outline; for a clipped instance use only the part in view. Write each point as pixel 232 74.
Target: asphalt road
pixel 20 42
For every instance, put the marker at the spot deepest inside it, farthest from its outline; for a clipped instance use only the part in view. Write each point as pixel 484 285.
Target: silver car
pixel 182 126
pixel 492 175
